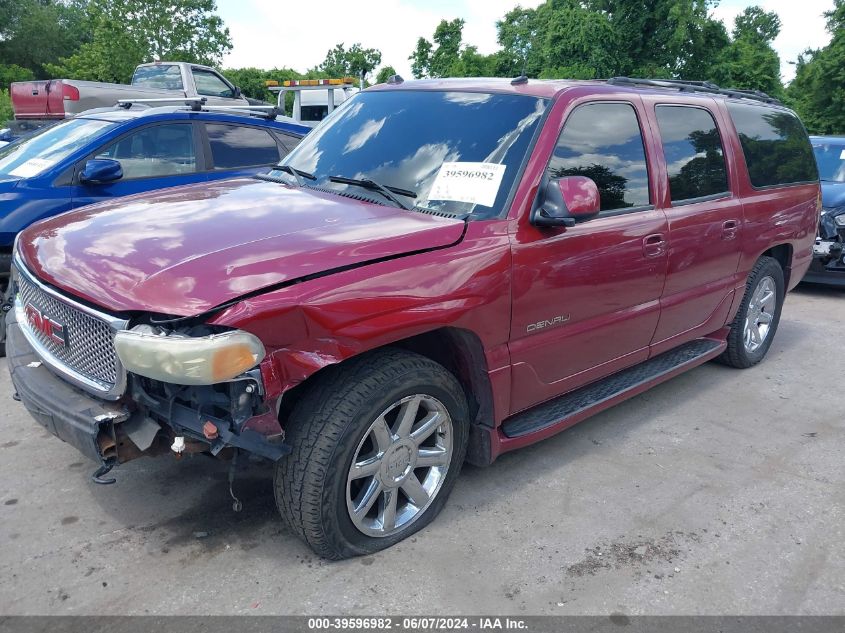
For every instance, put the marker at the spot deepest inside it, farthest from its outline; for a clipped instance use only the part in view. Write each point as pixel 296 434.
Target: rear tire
pixel 756 321
pixel 378 443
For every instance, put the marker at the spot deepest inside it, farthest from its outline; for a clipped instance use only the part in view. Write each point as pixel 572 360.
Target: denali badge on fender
pixel 43 324
pixel 542 325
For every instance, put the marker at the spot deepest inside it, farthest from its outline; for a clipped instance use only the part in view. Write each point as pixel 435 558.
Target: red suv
pixel 441 271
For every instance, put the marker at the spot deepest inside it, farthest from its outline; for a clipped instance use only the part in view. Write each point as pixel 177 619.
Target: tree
pixel 253 81
pixel 818 90
pixel 126 33
pixel 750 61
pixel 586 39
pixel 446 56
pixel 34 33
pixel 662 38
pixel 384 74
pixel 354 62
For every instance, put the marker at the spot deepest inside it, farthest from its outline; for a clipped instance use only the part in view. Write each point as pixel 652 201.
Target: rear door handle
pixel 654 245
pixel 730 229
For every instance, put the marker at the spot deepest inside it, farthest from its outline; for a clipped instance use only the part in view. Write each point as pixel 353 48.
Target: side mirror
pixel 100 171
pixel 6 135
pixel 566 201
pixel 237 92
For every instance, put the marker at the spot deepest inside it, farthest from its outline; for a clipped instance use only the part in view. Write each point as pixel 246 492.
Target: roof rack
pixel 195 103
pixel 198 104
pixel 694 86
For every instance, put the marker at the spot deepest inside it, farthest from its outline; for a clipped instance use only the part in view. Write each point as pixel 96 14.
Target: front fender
pixel 325 321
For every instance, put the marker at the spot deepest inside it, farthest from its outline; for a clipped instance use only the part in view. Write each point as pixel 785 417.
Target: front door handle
pixel 654 245
pixel 730 229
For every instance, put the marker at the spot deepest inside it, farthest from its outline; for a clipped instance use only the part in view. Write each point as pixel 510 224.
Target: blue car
pixel 828 265
pixel 109 153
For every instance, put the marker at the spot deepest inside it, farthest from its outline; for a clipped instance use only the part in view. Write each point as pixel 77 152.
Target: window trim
pixel 209 71
pixel 181 78
pixel 622 210
pixel 728 193
pixel 722 195
pixel 800 183
pixel 199 154
pixel 209 163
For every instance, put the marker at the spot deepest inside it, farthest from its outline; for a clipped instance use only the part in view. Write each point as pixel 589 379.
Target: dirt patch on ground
pixel 637 554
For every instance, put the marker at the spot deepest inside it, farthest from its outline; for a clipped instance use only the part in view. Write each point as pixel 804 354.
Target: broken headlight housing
pixel 188 360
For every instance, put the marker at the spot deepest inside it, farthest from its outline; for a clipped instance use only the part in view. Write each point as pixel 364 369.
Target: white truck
pixel 45 100
pixel 313 99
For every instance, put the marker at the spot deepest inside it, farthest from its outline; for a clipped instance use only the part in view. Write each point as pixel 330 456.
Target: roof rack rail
pixel 694 86
pixel 198 104
pixel 195 103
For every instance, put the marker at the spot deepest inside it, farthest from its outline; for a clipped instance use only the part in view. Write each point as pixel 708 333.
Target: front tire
pixel 756 321
pixel 378 443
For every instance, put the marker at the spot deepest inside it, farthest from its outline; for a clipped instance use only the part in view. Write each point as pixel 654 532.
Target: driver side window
pixel 154 151
pixel 603 141
pixel 210 85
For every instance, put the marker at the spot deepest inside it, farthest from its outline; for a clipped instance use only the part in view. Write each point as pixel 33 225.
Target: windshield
pixel 831 159
pixel 457 152
pixel 37 153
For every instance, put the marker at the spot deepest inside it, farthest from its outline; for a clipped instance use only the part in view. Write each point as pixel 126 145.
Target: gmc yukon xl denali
pixel 442 271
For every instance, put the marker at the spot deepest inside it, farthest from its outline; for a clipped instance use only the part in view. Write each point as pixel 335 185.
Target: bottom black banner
pixel 615 623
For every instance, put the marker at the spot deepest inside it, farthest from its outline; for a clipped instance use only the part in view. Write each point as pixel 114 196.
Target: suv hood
pixel 186 250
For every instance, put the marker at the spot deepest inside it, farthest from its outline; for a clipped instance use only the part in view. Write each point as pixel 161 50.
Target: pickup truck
pixel 60 98
pixel 442 271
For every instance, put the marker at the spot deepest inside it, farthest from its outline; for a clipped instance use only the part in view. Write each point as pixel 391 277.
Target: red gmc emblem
pixel 43 324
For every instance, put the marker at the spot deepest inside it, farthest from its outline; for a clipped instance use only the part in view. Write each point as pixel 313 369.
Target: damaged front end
pixel 828 266
pixel 117 394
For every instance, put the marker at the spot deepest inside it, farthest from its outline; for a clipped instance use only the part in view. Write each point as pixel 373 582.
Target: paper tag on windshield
pixel 842 155
pixel 477 183
pixel 32 167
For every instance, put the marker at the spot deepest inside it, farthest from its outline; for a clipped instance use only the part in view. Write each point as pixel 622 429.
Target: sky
pixel 269 33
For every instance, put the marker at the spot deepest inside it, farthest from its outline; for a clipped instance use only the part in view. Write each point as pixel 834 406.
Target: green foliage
pixel 126 33
pixel 384 74
pixel 446 56
pixel 602 38
pixel 252 81
pixel 749 61
pixel 5 106
pixel 34 33
pixel 13 72
pixel 818 90
pixel 352 62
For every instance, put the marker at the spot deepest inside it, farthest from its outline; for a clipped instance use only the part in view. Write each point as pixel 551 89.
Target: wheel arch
pixel 460 351
pixel 782 254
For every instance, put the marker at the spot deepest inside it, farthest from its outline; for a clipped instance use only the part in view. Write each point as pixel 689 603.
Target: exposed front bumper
pixel 831 275
pixel 98 428
pixel 68 413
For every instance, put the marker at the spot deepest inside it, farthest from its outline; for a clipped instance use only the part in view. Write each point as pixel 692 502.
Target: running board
pixel 604 393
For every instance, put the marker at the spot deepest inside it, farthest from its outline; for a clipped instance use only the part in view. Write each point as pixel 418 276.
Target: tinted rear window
pixel 775 144
pixel 693 149
pixel 235 146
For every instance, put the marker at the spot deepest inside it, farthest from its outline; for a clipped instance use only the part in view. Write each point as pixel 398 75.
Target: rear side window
pixel 234 146
pixel 693 150
pixel 161 76
pixel 603 141
pixel 776 147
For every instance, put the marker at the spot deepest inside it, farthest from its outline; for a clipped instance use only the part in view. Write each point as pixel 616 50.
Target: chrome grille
pixel 90 349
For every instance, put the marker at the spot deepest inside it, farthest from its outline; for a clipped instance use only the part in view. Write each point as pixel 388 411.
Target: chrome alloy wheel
pixel 399 465
pixel 760 314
